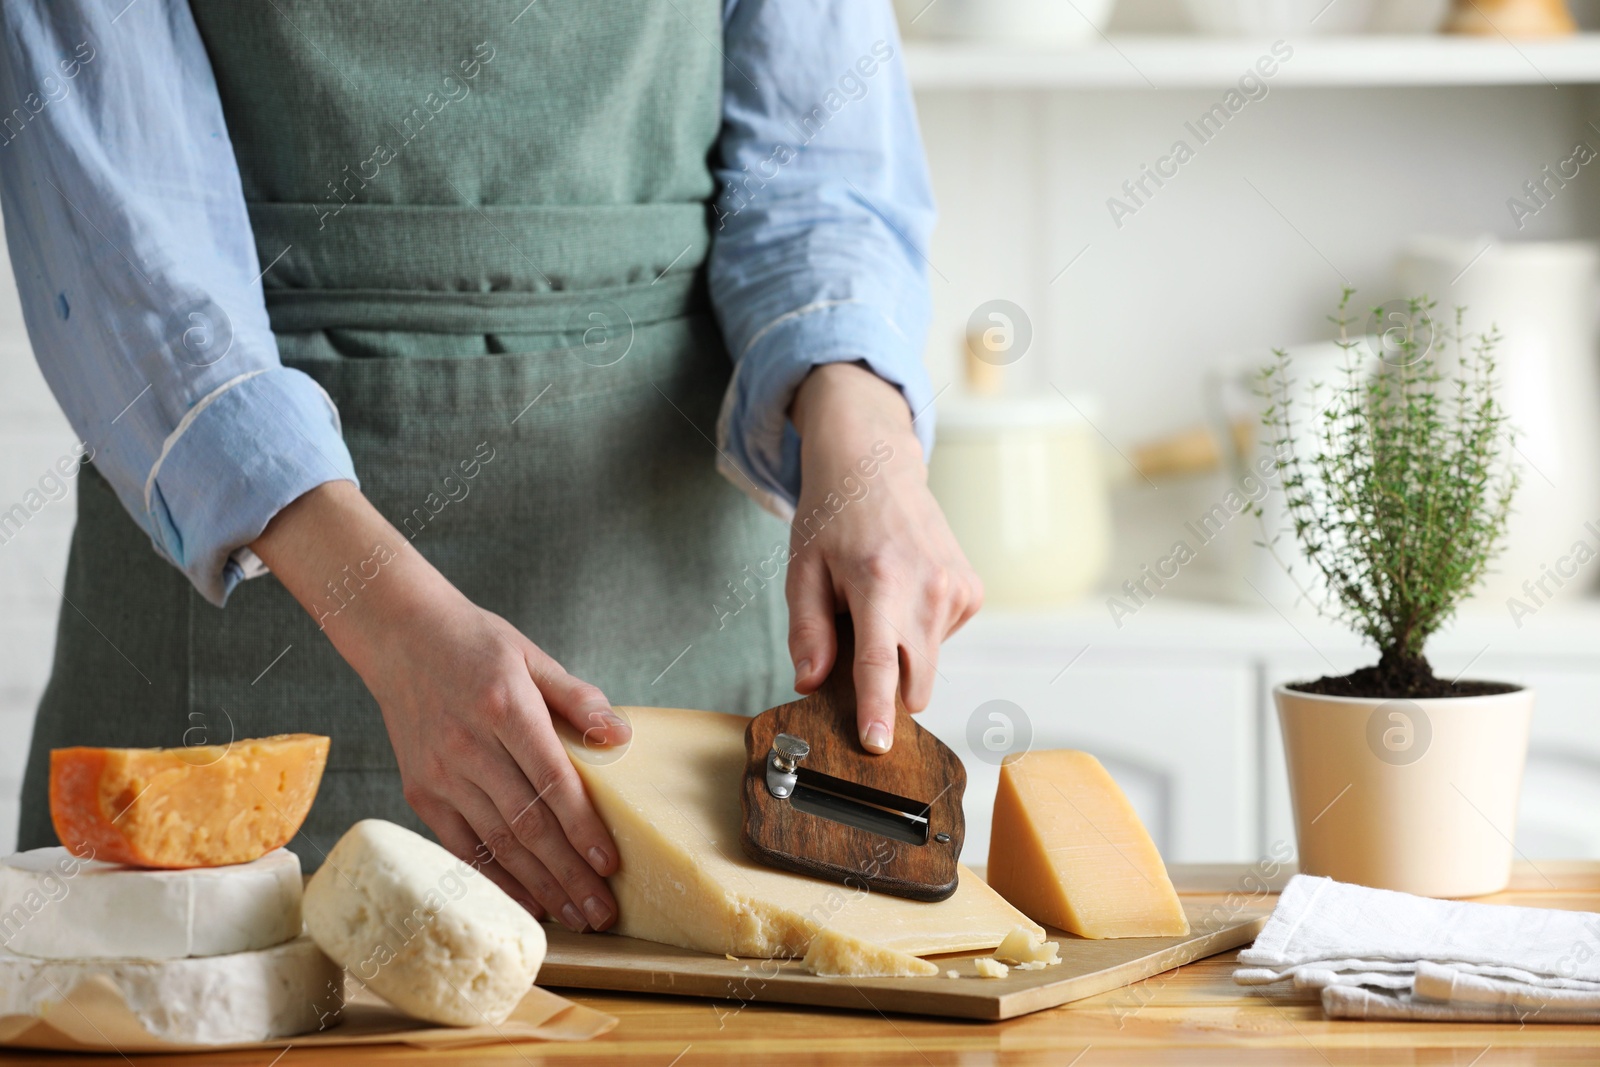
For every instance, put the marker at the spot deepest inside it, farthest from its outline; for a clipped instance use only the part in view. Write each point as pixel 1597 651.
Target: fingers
pixel 579 703
pixel 457 837
pixel 899 628
pixel 546 811
pixel 532 742
pixel 813 644
pixel 876 673
pixel 971 602
pixel 942 604
pixel 919 664
pixel 527 869
pixel 543 803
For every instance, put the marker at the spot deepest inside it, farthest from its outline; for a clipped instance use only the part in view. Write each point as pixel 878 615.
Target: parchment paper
pixel 94 1018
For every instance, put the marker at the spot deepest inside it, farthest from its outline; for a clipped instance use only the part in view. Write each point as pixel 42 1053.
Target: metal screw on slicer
pixel 1399 732
pixel 602 333
pixel 199 332
pixel 997 729
pixel 1400 332
pixel 999 332
pixel 595 750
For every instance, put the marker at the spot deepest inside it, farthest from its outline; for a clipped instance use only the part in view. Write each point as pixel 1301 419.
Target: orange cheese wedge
pixel 1068 850
pixel 201 806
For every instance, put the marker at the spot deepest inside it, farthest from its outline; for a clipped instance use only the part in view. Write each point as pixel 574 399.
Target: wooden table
pixel 1193 1015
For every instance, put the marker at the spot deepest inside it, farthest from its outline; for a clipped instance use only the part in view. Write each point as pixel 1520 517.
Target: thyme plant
pixel 1403 500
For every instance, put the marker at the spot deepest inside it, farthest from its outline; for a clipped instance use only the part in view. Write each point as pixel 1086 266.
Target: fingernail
pixel 597 912
pixel 802 671
pixel 877 738
pixel 611 718
pixel 572 917
pixel 598 859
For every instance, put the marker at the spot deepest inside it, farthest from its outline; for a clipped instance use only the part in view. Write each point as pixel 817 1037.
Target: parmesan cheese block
pixel 833 954
pixel 213 1000
pixel 421 928
pixel 200 806
pixel 671 801
pixel 1067 848
pixel 55 905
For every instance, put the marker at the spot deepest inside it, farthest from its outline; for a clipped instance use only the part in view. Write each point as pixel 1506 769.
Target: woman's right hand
pixel 468 702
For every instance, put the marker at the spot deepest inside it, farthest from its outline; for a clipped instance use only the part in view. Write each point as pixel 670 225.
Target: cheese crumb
pixel 988 968
pixel 952 974
pixel 833 954
pixel 730 957
pixel 1021 946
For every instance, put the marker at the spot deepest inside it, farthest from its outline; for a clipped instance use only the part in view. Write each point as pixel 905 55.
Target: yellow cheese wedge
pixel 833 954
pixel 197 806
pixel 1069 851
pixel 671 801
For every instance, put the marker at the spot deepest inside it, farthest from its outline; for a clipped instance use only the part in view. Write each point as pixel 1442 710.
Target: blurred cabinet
pixel 1178 706
pixel 1179 736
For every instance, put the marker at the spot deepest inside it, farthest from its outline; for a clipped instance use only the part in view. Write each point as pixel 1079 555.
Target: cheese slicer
pixel 816 802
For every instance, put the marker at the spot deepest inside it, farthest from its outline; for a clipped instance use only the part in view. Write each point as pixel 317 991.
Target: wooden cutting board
pixel 604 961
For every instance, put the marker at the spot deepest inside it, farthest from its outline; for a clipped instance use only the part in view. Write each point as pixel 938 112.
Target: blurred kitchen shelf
pixel 1180 629
pixel 1146 62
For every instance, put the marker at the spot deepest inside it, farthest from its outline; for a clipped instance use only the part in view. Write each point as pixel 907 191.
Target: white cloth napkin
pixel 1377 954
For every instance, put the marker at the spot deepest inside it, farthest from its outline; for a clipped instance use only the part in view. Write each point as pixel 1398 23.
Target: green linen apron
pixel 486 225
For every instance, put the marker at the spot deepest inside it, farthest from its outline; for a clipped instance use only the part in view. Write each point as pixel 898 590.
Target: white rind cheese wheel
pixel 421 928
pixel 214 1000
pixel 56 906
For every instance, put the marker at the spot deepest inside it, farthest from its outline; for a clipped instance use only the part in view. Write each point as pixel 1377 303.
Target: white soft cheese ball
pixel 421 928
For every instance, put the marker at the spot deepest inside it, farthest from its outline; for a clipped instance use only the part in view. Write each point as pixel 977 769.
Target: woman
pixel 428 310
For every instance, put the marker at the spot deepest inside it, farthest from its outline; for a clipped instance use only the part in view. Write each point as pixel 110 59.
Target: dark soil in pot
pixel 1399 678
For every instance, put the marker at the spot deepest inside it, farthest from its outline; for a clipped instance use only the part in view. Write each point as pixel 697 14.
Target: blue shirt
pixel 122 201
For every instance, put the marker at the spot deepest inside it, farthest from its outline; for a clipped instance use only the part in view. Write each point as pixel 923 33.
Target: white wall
pixel 33 436
pixel 1208 268
pixel 1206 271
pixel 1245 249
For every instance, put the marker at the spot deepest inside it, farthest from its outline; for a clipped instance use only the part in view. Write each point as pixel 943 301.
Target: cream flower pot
pixel 1418 796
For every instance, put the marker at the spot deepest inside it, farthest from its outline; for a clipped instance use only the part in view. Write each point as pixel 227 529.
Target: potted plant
pixel 1398 493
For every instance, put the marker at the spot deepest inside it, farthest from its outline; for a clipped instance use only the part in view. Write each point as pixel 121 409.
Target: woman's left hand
pixel 868 536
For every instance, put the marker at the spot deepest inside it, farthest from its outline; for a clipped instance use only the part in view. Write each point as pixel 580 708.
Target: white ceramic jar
pixel 1260 18
pixel 1541 296
pixel 1040 23
pixel 1418 796
pixel 1023 486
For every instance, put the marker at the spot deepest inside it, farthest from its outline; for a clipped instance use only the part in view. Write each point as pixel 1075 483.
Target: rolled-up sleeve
pixel 820 226
pixel 140 280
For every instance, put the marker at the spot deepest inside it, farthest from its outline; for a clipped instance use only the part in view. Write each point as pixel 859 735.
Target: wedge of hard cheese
pixel 1067 848
pixel 671 801
pixel 201 806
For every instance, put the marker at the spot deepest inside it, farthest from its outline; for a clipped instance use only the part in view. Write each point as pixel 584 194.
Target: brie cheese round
pixel 133 1005
pixel 56 906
